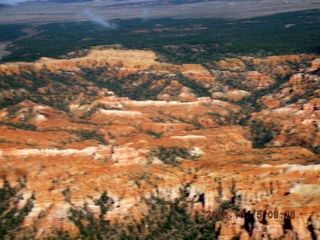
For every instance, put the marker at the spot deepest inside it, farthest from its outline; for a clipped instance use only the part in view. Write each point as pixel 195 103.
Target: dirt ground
pixel 46 12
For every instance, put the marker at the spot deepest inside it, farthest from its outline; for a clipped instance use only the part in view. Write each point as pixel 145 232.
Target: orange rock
pixel 100 143
pixel 315 65
pixel 256 79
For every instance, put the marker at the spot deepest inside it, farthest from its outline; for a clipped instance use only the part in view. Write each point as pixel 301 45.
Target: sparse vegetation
pixel 228 205
pixel 169 155
pixel 166 220
pixel 11 217
pixel 86 135
pixel 22 125
pixel 261 135
pixel 156 135
pixel 197 88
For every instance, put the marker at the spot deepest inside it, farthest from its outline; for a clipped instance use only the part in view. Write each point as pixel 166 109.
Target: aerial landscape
pixel 160 119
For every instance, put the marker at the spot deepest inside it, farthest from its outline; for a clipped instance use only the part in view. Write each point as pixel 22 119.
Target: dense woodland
pixel 176 40
pixel 11 32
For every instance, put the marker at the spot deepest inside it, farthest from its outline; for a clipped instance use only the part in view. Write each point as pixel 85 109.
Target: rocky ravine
pixel 107 134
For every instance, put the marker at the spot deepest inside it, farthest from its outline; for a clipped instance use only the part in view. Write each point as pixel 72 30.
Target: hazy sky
pixel 100 11
pixel 12 2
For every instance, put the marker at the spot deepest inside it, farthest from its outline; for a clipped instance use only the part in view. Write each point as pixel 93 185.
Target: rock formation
pixel 73 142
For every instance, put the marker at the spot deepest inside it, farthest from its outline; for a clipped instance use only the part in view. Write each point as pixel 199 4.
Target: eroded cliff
pixel 116 138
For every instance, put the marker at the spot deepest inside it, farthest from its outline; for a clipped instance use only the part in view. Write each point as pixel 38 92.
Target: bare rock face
pixel 234 95
pixel 105 138
pixel 132 60
pixel 233 64
pixel 258 80
pixel 197 72
pixel 296 106
pixel 315 65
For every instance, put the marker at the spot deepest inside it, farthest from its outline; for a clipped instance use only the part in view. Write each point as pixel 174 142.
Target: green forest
pixel 176 40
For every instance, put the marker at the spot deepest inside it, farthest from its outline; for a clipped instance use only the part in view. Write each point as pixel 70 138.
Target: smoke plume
pixel 99 20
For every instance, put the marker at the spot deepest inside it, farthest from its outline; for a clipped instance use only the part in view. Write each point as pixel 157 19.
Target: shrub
pixel 261 135
pixel 87 134
pixel 169 155
pixel 156 135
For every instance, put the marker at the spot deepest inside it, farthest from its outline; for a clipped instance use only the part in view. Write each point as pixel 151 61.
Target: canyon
pixel 118 124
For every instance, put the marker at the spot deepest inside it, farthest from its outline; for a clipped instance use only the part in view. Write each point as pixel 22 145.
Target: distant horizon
pixel 49 11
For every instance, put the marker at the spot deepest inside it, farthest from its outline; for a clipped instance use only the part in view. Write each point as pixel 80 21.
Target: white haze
pixel 145 14
pixel 14 2
pixel 11 2
pixel 99 19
